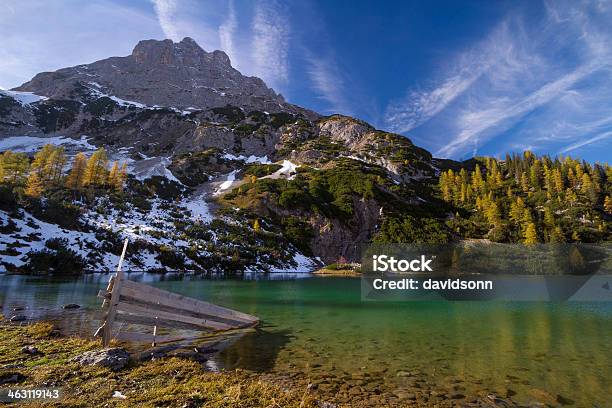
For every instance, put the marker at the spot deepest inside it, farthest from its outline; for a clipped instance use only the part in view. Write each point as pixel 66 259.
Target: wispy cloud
pixel 518 75
pixel 227 31
pixel 271 44
pixel 328 82
pixel 586 142
pixel 165 11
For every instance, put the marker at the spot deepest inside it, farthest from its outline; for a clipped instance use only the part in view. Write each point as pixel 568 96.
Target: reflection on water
pixel 320 327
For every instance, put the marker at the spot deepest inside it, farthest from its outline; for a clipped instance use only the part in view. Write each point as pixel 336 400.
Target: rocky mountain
pixel 224 175
pixel 162 73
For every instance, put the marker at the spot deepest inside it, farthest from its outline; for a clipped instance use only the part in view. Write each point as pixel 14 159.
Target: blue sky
pixel 458 78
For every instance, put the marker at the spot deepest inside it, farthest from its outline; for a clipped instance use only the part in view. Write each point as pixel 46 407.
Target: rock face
pixel 164 73
pixel 113 358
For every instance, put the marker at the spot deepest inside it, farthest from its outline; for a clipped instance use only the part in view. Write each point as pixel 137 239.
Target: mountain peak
pixel 184 74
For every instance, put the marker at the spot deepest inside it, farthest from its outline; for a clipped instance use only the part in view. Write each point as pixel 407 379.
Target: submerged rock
pixel 72 306
pixel 113 358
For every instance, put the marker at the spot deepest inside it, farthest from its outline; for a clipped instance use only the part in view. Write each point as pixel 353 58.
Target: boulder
pixel 113 358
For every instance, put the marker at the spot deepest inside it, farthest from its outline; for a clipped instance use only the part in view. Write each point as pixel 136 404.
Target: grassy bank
pixel 170 382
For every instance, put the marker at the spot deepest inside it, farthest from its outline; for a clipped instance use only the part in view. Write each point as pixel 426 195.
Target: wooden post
pixel 107 333
pixel 154 335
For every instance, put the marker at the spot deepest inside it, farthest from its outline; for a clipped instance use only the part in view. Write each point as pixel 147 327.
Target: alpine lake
pixel 318 331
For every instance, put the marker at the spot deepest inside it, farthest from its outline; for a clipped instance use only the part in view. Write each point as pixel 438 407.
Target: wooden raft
pixel 137 303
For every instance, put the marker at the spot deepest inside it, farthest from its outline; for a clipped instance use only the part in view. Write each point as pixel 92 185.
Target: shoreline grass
pixel 166 382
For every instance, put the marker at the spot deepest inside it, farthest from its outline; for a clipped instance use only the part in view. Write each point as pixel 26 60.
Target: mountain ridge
pixel 234 186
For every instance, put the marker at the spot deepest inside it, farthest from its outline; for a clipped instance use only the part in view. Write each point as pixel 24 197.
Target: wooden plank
pixel 107 331
pixel 150 294
pixel 149 312
pixel 151 321
pixel 149 338
pixel 170 309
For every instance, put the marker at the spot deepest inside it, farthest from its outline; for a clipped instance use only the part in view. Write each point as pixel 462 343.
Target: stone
pixel 11 377
pixel 402 373
pixel 72 306
pixel 113 358
pixel 30 350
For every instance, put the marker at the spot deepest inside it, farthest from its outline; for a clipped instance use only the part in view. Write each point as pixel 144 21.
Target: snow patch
pixel 24 98
pixel 288 171
pixel 231 177
pixel 248 160
pixel 31 144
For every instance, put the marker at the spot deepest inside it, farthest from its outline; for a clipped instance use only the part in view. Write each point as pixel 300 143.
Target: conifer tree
pixel 477 181
pixel 517 210
pixel 557 235
pixel 530 237
pixel 34 185
pixel 113 174
pixel 76 177
pixel 608 204
pixel 54 165
pixel 15 167
pixel 524 182
pixel 95 172
pixel 121 177
pixel 39 164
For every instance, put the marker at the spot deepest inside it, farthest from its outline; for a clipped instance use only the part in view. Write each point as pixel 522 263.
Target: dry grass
pixel 171 382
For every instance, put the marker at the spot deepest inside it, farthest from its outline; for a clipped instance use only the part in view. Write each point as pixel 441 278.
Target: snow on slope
pixel 31 234
pixel 288 171
pixel 248 160
pixel 24 98
pixel 31 144
pixel 230 179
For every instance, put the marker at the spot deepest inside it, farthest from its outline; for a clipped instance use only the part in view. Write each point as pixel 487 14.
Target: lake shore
pixel 37 355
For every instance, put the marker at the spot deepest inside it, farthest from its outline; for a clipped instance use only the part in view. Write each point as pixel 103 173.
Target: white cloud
pixel 474 123
pixel 271 45
pixel 165 11
pixel 585 142
pixel 227 31
pixel 540 76
pixel 328 82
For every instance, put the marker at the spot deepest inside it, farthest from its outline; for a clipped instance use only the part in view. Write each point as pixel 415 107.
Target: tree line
pixel 530 199
pixel 49 169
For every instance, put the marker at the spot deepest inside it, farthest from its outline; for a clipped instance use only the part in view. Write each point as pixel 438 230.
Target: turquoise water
pixel 319 327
